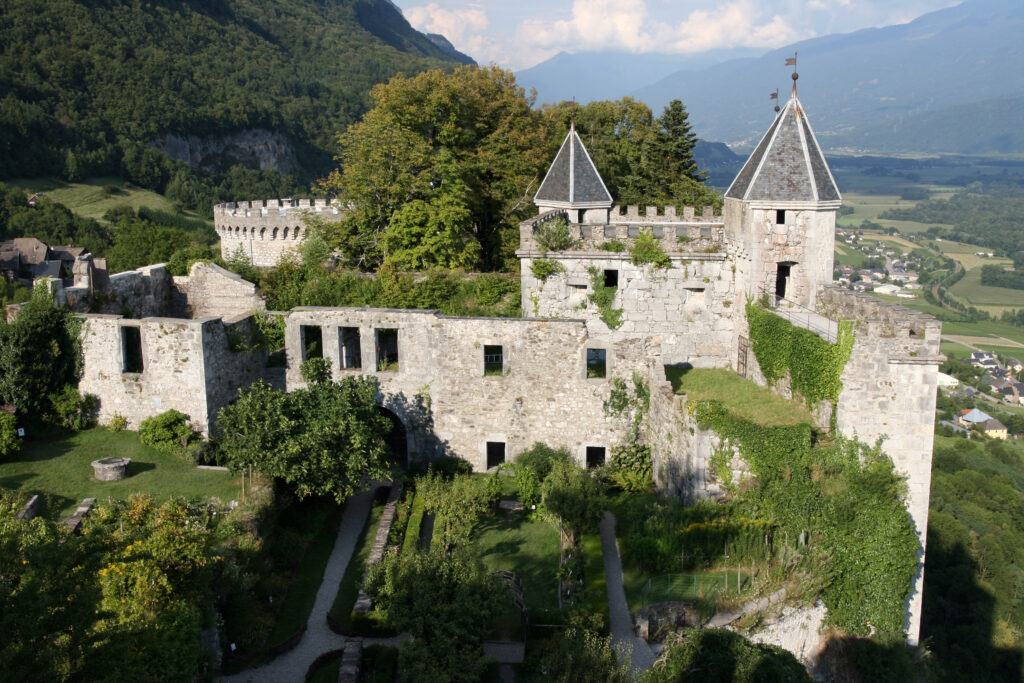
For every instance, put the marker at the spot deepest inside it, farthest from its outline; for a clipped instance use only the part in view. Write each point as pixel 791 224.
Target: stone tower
pixel 573 184
pixel 783 203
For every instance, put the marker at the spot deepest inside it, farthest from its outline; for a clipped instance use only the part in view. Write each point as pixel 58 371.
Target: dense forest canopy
pixel 86 86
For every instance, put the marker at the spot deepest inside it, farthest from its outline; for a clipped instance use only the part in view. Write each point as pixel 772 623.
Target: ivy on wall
pixel 845 497
pixel 602 297
pixel 813 364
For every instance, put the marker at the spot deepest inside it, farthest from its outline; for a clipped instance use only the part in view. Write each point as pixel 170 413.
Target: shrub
pixel 118 423
pixel 168 431
pixel 612 245
pixel 554 235
pixel 316 371
pixel 73 410
pixel 543 268
pixel 9 442
pixel 646 250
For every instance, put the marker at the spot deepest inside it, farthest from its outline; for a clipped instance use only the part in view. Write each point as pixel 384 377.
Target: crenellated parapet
pixel 685 232
pixel 265 230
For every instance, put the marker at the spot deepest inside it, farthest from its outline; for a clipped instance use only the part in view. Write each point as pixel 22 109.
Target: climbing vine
pixel 845 497
pixel 814 365
pixel 603 297
pixel 543 268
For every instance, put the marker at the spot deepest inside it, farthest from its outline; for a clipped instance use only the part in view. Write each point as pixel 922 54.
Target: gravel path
pixel 318 638
pixel 623 639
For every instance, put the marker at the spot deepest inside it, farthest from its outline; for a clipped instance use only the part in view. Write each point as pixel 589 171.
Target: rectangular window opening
pixel 387 350
pixel 595 456
pixel 611 278
pixel 695 296
pixel 131 349
pixel 348 344
pixel 780 216
pixel 494 360
pixel 495 453
pixel 597 363
pixel 312 341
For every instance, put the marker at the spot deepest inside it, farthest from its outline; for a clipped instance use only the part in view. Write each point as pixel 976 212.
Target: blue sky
pixel 517 34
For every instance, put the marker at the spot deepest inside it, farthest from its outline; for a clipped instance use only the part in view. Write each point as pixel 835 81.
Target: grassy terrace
pixel 740 396
pixel 348 591
pixel 59 466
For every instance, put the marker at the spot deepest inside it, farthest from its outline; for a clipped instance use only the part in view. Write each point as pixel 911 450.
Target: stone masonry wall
pixel 266 230
pixel 542 395
pixel 889 390
pixel 187 366
pixel 144 292
pixel 688 308
pixel 213 291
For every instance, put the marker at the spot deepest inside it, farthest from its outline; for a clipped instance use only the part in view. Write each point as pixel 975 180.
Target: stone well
pixel 111 469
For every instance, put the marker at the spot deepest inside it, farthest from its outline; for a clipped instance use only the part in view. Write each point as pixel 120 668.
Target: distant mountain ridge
pixel 904 88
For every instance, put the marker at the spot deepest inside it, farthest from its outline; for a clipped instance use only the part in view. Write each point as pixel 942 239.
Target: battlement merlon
pixel 263 207
pixel 686 233
pixel 912 336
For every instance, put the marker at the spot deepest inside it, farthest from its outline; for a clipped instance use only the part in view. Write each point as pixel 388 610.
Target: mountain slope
pixel 590 76
pixel 93 78
pixel 863 80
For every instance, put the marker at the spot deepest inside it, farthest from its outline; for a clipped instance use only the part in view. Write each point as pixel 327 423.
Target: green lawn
pixel 60 466
pixel 530 549
pixel 327 672
pixel 646 589
pixel 597 587
pixel 986 328
pixel 317 528
pixel 954 350
pixel 738 395
pixel 91 199
pixel 348 590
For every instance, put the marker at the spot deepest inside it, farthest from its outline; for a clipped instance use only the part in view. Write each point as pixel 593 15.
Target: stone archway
pixel 396 439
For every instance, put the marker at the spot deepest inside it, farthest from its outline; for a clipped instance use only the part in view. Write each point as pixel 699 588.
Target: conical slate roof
pixel 573 181
pixel 788 165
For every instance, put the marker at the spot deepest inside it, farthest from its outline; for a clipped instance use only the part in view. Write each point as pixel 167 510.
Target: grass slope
pixel 60 466
pixel 740 396
pixel 530 549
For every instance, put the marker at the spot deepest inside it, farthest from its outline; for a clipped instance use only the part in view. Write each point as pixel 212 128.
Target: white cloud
pixel 465 27
pixel 627 25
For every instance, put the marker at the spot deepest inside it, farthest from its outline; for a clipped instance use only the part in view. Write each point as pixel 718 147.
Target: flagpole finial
pixel 795 76
pixel 791 61
pixel 572 116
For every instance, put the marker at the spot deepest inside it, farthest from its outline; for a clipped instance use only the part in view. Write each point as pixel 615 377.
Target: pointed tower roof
pixel 573 182
pixel 787 165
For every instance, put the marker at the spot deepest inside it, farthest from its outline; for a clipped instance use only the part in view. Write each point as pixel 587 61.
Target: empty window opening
pixel 611 278
pixel 131 349
pixel 348 343
pixel 595 456
pixel 495 453
pixel 387 350
pixel 782 279
pixel 494 360
pixel 597 363
pixel 695 296
pixel 780 216
pixel 312 341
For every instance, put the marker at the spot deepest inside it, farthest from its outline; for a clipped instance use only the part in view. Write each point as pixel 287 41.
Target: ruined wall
pixel 687 308
pixel 187 366
pixel 542 394
pixel 681 451
pixel 889 390
pixel 143 292
pixel 266 230
pixel 212 291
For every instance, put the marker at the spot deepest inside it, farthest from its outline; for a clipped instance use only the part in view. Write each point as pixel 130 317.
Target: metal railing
pixel 801 316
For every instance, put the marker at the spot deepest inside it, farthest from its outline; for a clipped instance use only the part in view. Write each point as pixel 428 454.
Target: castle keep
pixel 485 388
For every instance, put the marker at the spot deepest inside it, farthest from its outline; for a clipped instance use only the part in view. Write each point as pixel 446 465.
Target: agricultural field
pixel 92 198
pixel 993 300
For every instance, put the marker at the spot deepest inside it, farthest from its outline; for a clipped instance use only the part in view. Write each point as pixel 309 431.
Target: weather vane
pixel 572 114
pixel 775 96
pixel 791 61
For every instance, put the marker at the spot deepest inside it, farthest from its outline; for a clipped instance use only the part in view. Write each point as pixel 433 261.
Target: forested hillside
pixel 86 86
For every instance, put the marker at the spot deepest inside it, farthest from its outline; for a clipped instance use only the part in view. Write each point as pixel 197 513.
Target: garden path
pixel 318 637
pixel 623 639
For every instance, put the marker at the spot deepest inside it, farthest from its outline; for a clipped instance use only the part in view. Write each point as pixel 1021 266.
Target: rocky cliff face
pixel 255 148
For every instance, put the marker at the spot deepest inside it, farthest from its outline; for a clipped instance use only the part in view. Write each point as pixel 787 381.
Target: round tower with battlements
pixel 263 231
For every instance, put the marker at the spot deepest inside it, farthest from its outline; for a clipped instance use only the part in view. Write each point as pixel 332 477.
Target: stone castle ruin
pixel 487 388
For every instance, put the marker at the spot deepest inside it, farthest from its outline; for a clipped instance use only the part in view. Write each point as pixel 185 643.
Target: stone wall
pixel 210 290
pixel 187 366
pixel 447 404
pixel 266 230
pixel 687 309
pixel 144 292
pixel 889 391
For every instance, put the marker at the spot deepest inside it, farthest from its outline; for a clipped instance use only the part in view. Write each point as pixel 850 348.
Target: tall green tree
pixel 440 171
pixel 324 440
pixel 575 497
